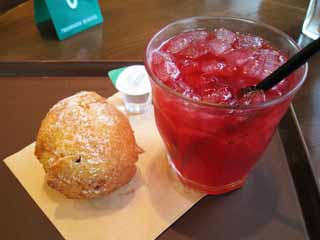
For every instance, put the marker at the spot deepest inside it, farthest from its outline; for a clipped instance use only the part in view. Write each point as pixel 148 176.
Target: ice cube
pixel 185 40
pixel 249 41
pixel 158 57
pixel 172 70
pixel 218 94
pixel 197 35
pixel 253 69
pixel 271 61
pixel 218 47
pixel 194 51
pixel 164 67
pixel 268 54
pixel 252 98
pixel 264 62
pixel 177 44
pixel 212 66
pixel 190 94
pixel 238 57
pixel 218 68
pixel 225 36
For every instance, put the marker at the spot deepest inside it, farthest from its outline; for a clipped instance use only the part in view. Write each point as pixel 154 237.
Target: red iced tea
pixel 213 135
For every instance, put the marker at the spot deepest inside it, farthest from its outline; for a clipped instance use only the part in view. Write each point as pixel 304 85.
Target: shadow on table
pixel 85 209
pixel 237 215
pixel 47 31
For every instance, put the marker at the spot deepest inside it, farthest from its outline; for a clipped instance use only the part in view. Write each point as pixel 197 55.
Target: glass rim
pixel 225 106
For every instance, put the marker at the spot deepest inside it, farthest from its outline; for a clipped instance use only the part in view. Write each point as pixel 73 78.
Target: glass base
pixel 136 107
pixel 137 104
pixel 211 190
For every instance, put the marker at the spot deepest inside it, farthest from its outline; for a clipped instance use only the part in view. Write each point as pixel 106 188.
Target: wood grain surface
pixel 6 5
pixel 128 25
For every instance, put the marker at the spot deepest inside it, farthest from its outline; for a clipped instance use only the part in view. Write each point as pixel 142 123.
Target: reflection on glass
pixel 312 21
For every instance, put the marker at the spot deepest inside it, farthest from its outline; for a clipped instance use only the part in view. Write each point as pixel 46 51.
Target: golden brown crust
pixel 86 147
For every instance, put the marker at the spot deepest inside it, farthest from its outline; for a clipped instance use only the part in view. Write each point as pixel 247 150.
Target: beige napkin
pixel 144 208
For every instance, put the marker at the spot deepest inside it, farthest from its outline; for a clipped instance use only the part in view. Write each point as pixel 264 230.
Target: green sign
pixel 69 17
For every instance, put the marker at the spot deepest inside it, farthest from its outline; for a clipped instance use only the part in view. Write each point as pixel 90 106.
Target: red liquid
pixel 214 148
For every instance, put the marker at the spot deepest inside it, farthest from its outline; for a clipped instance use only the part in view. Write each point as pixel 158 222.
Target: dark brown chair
pixel 5 5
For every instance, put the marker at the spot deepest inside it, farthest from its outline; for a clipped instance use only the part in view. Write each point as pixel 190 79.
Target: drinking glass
pixel 311 24
pixel 213 147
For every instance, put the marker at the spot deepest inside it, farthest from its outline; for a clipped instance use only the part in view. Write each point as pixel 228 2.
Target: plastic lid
pixel 133 80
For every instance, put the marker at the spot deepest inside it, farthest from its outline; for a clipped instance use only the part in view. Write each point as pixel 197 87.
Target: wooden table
pixel 5 5
pixel 122 38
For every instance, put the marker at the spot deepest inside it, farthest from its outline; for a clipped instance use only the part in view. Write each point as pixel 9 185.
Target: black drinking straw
pixel 286 69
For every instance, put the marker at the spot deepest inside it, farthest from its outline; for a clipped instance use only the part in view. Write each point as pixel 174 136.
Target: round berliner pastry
pixel 86 146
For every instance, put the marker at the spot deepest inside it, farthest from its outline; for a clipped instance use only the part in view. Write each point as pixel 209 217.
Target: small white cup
pixel 135 87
